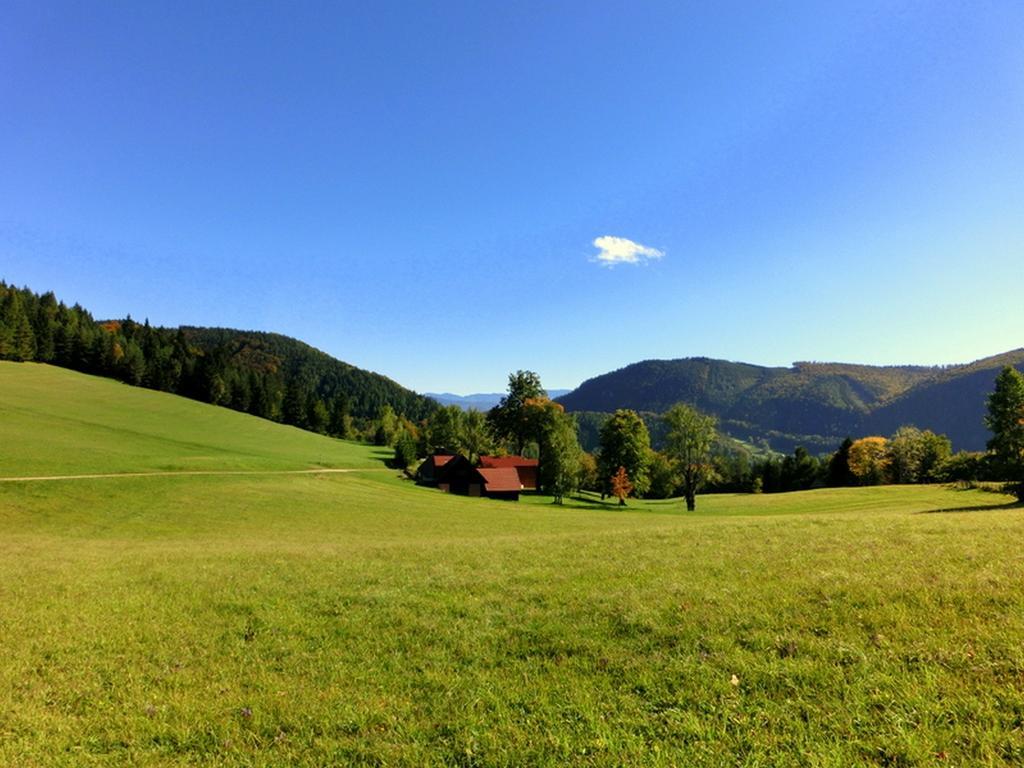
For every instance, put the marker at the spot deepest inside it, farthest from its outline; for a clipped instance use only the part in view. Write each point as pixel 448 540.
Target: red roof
pixel 440 459
pixel 507 461
pixel 500 479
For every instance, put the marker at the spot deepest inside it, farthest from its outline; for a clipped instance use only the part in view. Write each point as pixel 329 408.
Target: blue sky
pixel 416 188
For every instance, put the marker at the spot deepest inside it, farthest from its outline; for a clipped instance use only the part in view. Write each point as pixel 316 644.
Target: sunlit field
pixel 274 619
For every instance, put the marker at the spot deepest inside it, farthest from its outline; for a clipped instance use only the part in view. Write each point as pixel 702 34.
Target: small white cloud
pixel 620 250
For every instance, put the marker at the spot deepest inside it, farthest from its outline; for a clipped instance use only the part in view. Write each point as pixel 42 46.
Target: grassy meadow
pixel 355 619
pixel 58 421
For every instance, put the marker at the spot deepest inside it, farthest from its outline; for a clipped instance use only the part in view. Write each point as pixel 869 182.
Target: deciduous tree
pixel 664 475
pixel 936 450
pixel 625 443
pixel 444 429
pixel 621 487
pixel 690 437
pixel 405 449
pixel 475 438
pixel 510 418
pixel 869 460
pixel 914 455
pixel 559 452
pixel 588 479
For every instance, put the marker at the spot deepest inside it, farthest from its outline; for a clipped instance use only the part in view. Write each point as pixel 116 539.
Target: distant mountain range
pixel 481 401
pixel 810 404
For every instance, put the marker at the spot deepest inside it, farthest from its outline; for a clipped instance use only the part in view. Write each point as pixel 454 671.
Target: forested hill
pixel 814 404
pixel 311 369
pixel 264 374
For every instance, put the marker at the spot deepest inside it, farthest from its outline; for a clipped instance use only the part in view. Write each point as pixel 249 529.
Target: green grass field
pixel 357 619
pixel 57 421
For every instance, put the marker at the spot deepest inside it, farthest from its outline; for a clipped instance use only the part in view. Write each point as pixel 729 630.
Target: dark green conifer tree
pixel 340 424
pixel 293 409
pixel 23 342
pixel 839 474
pixel 1006 420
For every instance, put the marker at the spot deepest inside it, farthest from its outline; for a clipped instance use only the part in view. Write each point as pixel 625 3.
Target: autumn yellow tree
pixel 869 460
pixel 589 480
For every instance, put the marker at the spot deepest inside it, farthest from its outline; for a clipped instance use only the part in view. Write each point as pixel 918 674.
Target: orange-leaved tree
pixel 621 486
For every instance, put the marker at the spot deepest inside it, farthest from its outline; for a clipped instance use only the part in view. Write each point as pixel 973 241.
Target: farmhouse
pixel 430 470
pixel 499 483
pixel 453 473
pixel 438 469
pixel 525 468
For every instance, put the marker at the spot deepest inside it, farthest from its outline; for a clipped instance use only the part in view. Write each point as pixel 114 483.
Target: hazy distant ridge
pixel 482 401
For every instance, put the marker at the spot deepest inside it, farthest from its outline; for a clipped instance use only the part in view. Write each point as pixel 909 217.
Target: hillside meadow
pixel 356 619
pixel 57 421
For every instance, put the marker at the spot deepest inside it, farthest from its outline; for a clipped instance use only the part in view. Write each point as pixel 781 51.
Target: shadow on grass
pixel 582 502
pixel 611 504
pixel 574 501
pixel 385 456
pixel 975 508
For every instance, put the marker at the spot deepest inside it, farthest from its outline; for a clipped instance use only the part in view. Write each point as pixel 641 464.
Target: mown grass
pixel 57 421
pixel 359 620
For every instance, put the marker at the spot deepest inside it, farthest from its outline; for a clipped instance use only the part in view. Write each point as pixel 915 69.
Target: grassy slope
pixel 357 619
pixel 57 421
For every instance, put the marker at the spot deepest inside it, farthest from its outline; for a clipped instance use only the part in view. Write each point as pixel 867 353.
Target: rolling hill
pixel 57 421
pixel 810 404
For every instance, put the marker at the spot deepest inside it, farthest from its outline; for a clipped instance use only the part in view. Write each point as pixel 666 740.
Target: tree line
pixel 695 457
pixel 281 379
pixel 266 375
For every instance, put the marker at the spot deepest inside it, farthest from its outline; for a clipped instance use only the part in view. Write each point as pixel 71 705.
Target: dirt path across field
pixel 191 472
